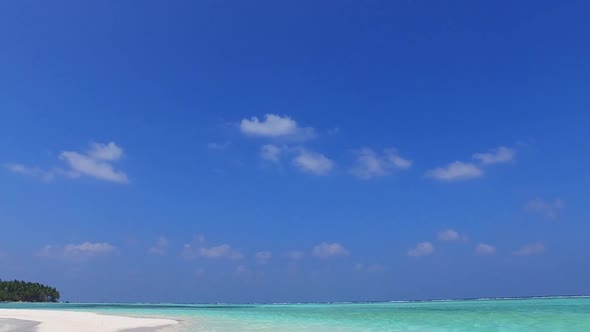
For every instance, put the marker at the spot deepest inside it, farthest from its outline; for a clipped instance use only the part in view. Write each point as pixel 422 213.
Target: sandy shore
pixel 17 320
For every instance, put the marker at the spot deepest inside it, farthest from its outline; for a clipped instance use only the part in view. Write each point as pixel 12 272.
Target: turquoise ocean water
pixel 539 314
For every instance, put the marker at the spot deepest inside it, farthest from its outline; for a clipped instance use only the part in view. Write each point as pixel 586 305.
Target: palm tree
pixel 17 290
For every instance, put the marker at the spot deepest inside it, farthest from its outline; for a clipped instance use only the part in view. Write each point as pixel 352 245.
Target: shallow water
pixel 543 314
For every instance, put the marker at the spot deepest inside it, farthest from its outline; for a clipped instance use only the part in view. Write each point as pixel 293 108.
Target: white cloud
pixel 81 251
pixel 295 255
pixel 455 171
pixel 223 251
pixel 369 164
pixel 449 235
pixel 396 160
pixel 160 248
pixel 313 162
pixel 495 156
pixel 45 175
pixel 96 162
pixel 485 249
pixel 270 152
pixel 263 257
pixel 327 250
pixel 549 210
pixel 109 151
pixel 421 249
pixel 530 249
pixel 459 170
pixel 275 126
pixel 89 248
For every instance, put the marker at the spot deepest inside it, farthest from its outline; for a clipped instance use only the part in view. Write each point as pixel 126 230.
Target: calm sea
pixel 540 314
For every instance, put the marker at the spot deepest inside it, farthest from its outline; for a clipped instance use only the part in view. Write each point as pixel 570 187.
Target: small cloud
pixel 396 160
pixel 224 251
pixel 369 164
pixel 455 171
pixel 485 249
pixel 200 238
pixel 242 270
pixel 45 175
pixel 459 170
pixel 96 162
pixel 328 250
pixel 530 249
pixel 276 126
pixel 548 209
pixel 495 156
pixel 160 248
pixel 77 252
pixel 109 151
pixel 313 162
pixel 295 255
pixel 270 152
pixel 421 249
pixel 263 257
pixel 221 251
pixel 449 235
pixel 217 146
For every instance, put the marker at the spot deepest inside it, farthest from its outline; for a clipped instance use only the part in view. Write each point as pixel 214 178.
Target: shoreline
pixel 29 320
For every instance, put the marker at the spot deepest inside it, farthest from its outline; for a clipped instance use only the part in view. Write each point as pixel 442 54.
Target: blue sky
pixel 295 150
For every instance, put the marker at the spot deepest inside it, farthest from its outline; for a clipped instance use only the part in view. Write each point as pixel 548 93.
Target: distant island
pixel 21 291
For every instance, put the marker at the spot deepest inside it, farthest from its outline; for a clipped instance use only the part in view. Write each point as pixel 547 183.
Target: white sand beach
pixel 69 321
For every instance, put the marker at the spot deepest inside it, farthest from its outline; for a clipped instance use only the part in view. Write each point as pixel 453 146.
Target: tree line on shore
pixel 21 291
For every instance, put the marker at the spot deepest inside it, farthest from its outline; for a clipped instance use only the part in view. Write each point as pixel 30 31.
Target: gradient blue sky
pixel 399 150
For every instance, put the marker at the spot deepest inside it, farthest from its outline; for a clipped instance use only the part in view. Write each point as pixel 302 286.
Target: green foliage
pixel 16 290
